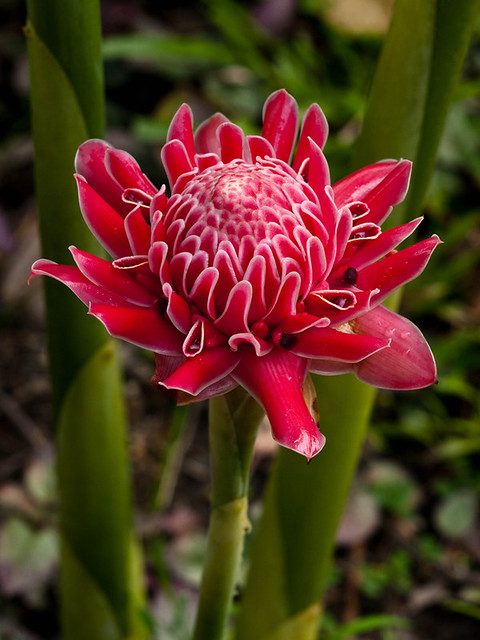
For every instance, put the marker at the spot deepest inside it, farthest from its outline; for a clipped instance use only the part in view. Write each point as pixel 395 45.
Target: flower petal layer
pixel 281 373
pixel 143 327
pixel 205 369
pixel 408 362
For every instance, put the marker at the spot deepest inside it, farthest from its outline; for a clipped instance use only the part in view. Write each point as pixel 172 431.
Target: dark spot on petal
pixel 358 235
pixel 358 209
pixel 350 276
pixel 288 340
pixel 339 301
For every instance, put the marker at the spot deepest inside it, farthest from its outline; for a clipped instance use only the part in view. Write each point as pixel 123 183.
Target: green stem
pixel 233 423
pixel 171 457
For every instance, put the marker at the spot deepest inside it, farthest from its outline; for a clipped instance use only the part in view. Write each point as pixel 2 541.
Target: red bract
pixel 253 271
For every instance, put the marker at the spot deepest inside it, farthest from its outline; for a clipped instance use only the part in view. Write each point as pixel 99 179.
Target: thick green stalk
pixel 291 553
pixel 234 420
pixel 63 38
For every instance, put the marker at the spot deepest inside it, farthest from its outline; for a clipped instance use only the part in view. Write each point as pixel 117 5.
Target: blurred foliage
pixel 231 63
pixel 394 574
pixel 219 55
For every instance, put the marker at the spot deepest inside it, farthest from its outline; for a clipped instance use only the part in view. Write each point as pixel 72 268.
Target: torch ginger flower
pixel 254 271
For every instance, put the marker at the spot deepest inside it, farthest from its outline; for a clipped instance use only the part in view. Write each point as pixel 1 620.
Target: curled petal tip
pixel 90 153
pixel 309 445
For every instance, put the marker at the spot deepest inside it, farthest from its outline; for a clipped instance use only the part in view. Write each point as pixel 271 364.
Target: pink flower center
pixel 228 202
pixel 244 245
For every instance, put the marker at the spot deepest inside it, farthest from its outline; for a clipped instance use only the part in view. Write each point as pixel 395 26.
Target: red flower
pixel 253 271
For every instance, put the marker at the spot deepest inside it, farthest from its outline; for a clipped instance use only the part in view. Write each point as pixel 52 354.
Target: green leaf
pixel 176 56
pixel 455 516
pixel 302 626
pixel 91 617
pixel 58 128
pixel 92 473
pixel 71 32
pixel 27 557
pixel 413 86
pixel 367 624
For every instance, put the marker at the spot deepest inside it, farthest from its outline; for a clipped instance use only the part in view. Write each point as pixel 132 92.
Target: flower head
pixel 253 271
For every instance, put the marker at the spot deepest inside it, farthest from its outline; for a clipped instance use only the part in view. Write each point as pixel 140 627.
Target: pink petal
pixel 202 335
pixel 331 344
pixel 260 346
pixel 227 277
pixel 286 301
pixel 206 136
pixel 90 164
pixel 206 160
pixel 126 171
pixel 280 120
pixel 256 274
pixel 165 366
pixel 343 233
pixel 329 367
pixel 181 128
pixel 259 148
pixel 397 269
pixel 406 364
pixel 318 171
pixel 202 293
pixel 231 142
pixel 234 317
pixel 175 160
pixel 104 222
pixel 138 232
pixel 158 203
pixel 314 127
pixel 224 385
pixel 339 316
pixel 276 380
pixel 316 262
pixel 301 322
pixel 73 278
pixel 137 197
pixel 203 370
pixel 117 281
pixel 380 186
pixel 322 301
pixel 391 190
pixel 143 327
pixel 369 252
pixel 109 172
pixel 178 310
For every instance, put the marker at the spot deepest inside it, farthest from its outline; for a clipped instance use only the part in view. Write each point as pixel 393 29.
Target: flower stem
pixel 233 423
